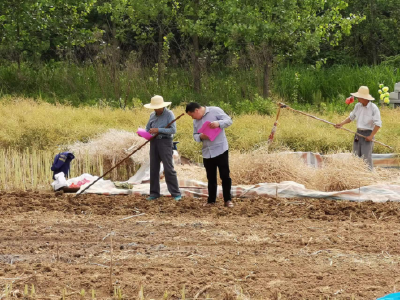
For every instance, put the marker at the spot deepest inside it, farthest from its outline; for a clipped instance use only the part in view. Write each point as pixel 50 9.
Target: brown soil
pixel 261 249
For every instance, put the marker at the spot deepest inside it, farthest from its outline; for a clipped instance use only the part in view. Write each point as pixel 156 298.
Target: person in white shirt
pixel 368 123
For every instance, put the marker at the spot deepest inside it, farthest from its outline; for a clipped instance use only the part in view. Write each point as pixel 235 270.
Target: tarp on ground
pixel 286 189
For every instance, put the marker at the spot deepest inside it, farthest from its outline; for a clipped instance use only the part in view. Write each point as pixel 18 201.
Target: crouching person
pixel 215 153
pixel 161 148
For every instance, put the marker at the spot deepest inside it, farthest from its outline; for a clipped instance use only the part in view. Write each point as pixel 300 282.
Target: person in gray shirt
pixel 215 153
pixel 161 148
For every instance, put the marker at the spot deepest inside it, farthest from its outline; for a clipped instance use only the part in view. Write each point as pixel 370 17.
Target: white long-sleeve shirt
pixel 367 116
pixel 220 144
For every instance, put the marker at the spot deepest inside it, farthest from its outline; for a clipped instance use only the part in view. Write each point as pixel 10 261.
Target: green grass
pixel 94 85
pixel 235 90
pixel 331 85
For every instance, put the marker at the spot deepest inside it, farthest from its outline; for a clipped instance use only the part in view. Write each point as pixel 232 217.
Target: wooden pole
pixel 325 121
pixel 273 130
pixel 133 152
pixel 111 260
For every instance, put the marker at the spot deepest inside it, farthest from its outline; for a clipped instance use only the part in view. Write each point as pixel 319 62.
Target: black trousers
pixel 222 163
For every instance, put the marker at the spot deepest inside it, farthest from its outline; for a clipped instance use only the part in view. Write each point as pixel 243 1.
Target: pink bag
pixel 144 134
pixel 212 133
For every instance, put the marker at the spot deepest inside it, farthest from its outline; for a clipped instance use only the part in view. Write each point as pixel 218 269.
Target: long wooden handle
pixel 325 121
pixel 277 115
pixel 272 134
pixel 133 152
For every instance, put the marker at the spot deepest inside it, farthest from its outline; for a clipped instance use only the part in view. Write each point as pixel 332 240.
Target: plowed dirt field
pixel 261 249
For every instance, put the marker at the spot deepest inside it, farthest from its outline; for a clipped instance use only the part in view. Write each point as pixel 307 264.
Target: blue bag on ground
pixel 62 163
pixel 395 296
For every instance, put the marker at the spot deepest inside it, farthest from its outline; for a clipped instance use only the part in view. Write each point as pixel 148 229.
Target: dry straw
pixel 339 172
pixel 68 124
pixel 256 167
pixel 113 146
pixel 342 172
pixel 31 170
pixel 23 168
pixel 191 172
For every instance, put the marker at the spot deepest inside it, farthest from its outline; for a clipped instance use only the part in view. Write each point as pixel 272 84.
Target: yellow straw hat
pixel 157 102
pixel 363 93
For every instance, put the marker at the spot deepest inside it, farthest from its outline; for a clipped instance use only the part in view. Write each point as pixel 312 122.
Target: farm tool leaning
pixel 271 136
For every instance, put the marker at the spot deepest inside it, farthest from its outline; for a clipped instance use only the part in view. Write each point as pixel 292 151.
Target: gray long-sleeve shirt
pixel 161 122
pixel 220 144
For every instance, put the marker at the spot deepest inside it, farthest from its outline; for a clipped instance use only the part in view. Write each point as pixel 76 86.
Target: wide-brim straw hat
pixel 157 102
pixel 363 92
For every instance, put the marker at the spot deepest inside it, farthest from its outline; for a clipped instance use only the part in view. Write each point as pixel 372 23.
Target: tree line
pixel 198 34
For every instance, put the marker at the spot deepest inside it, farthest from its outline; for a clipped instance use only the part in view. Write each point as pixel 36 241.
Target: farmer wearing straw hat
pixel 368 123
pixel 215 151
pixel 161 148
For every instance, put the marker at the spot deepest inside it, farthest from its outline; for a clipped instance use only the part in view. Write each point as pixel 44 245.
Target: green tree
pixel 158 21
pixel 197 20
pixel 282 30
pixel 28 28
pixel 149 21
pixel 376 38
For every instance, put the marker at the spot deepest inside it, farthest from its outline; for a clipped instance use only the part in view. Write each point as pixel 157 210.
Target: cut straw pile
pixel 258 166
pixel 113 145
pixel 339 172
pixel 343 172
